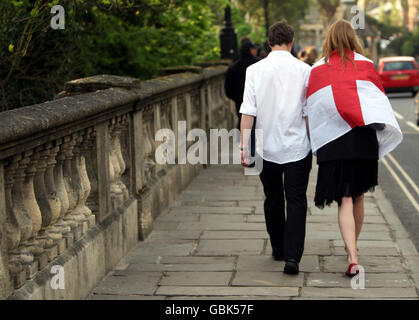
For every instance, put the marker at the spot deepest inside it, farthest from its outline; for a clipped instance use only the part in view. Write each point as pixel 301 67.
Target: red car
pixel 399 74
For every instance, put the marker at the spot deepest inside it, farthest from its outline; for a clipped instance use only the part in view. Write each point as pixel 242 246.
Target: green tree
pixel 263 13
pixel 406 45
pixel 125 37
pixel 328 9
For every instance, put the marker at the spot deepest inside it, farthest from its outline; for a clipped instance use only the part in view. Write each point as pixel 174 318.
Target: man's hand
pixel 245 130
pixel 245 157
pixel 308 128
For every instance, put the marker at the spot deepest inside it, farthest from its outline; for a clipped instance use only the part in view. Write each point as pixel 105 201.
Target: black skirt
pixel 348 167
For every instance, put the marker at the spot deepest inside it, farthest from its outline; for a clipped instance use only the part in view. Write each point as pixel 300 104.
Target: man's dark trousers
pixel 286 235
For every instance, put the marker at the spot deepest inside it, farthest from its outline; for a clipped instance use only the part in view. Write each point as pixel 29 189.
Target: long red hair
pixel 342 38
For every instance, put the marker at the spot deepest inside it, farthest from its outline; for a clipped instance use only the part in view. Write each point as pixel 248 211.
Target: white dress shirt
pixel 275 93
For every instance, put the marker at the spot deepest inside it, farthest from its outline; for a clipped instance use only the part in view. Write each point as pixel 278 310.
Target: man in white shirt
pixel 274 94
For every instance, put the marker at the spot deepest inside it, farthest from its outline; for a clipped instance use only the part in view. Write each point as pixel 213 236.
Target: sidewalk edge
pixel 401 237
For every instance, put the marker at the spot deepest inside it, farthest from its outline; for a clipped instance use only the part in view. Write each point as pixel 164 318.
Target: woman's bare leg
pixel 347 228
pixel 359 214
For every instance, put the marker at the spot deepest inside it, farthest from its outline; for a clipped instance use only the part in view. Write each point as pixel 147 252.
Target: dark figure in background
pixel 236 75
pixel 261 53
pixel 302 55
pixel 311 56
pixel 243 41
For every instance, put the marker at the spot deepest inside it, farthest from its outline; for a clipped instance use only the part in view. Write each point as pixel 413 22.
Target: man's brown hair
pixel 280 33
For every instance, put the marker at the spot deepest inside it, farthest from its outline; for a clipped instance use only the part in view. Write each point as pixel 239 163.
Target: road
pixel 398 173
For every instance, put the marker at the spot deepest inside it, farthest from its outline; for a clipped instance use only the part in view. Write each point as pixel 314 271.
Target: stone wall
pixel 79 185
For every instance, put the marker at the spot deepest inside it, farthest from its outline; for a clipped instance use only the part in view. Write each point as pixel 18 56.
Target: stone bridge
pixel 79 185
pixel 82 197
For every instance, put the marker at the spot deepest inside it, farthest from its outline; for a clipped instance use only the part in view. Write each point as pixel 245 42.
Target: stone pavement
pixel 213 245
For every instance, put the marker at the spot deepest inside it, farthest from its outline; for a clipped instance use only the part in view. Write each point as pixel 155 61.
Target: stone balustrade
pixel 79 184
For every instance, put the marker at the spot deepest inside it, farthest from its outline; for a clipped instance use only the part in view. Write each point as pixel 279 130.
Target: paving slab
pixel 371 264
pixel 197 260
pixel 398 293
pixel 187 267
pixel 238 297
pixel 228 291
pixel 229 247
pixel 196 279
pixel 126 297
pixel 370 251
pixel 265 263
pixel 372 280
pixel 213 210
pixel 368 243
pixel 269 279
pixel 335 227
pixel 140 283
pixel 184 249
pixel 211 234
pixel 217 203
pixel 218 218
pixel 221 226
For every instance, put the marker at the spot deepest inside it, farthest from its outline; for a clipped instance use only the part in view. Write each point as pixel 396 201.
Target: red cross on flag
pixel 340 98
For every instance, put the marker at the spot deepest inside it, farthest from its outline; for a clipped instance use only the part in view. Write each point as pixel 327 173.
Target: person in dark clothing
pixel 243 41
pixel 236 75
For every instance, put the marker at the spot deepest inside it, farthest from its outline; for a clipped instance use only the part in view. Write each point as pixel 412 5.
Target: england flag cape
pixel 340 98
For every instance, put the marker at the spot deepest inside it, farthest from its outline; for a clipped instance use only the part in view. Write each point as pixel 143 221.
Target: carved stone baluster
pixel 21 212
pixel 114 168
pixel 55 229
pixel 13 233
pixel 137 158
pixel 126 151
pixel 119 158
pixel 12 223
pixel 51 188
pixel 67 151
pixel 63 226
pixel 59 180
pixel 84 178
pixel 91 167
pixel 47 205
pixel 34 245
pixel 149 163
pixel 70 182
pixel 21 260
pixel 81 187
pixel 40 157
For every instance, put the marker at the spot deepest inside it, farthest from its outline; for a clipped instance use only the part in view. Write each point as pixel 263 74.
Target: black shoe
pixel 291 266
pixel 277 256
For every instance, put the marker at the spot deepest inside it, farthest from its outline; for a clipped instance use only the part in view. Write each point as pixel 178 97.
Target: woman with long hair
pixel 352 125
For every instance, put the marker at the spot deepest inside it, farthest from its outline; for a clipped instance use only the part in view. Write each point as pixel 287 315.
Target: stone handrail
pixel 68 165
